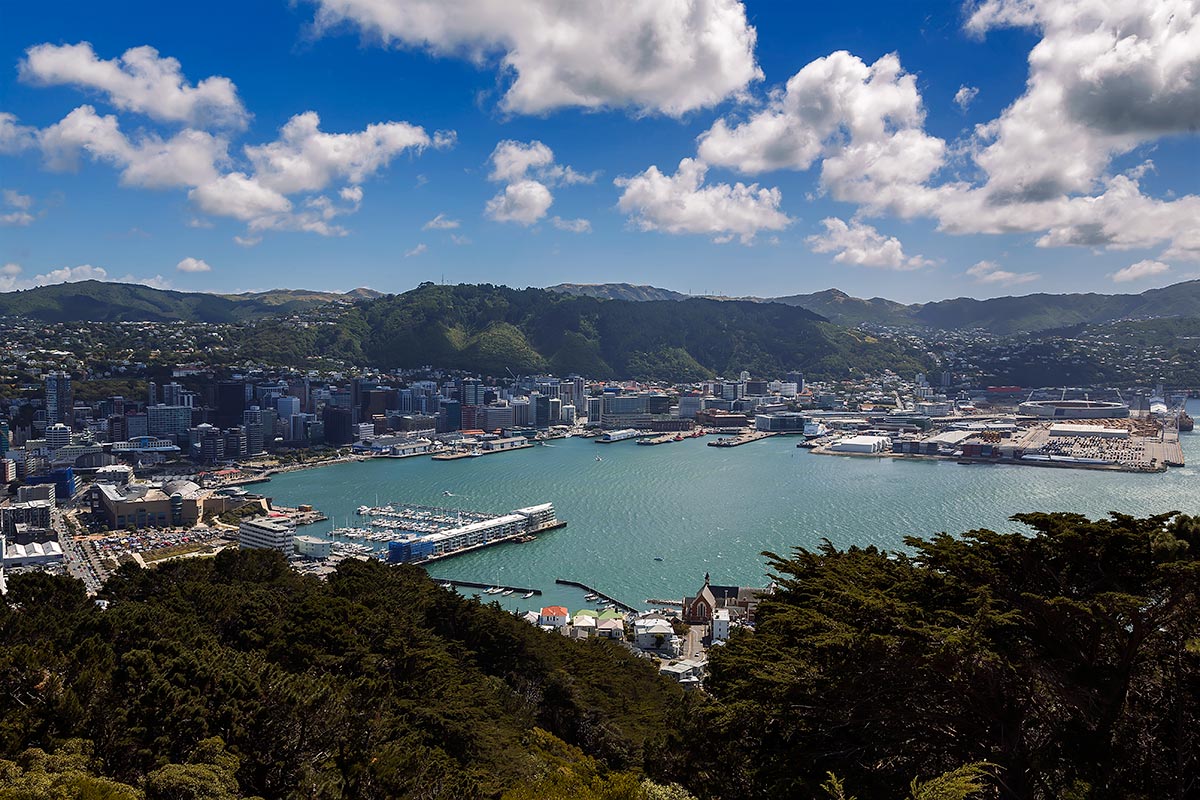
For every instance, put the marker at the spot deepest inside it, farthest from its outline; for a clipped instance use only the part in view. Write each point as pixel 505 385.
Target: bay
pixel 706 509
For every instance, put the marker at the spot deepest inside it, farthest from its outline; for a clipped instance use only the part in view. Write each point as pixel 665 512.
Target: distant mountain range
pixel 1001 315
pixel 496 330
pixel 101 301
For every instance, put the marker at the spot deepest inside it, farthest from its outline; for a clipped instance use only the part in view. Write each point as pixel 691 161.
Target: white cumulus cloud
pixel 188 158
pixel 861 245
pixel 10 280
pixel 1105 78
pixel 1142 269
pixel 524 202
pixel 15 137
pixel 305 158
pixel 139 80
pixel 416 251
pixel 17 207
pixel 529 169
pixel 682 203
pixel 190 264
pixel 990 272
pixel 965 96
pixel 667 56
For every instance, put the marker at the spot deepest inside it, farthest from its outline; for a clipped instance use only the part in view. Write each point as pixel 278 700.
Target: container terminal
pixel 1076 434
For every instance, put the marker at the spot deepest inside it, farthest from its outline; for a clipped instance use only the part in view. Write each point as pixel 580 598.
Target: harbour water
pixel 706 509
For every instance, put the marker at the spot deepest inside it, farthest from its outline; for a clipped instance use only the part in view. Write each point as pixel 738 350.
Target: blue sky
pixel 1076 172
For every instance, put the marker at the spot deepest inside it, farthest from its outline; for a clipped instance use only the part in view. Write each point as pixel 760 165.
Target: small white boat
pixel 598 458
pixel 527 595
pixel 506 592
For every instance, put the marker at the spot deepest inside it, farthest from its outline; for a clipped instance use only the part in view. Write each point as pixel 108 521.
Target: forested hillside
pixel 1068 660
pixel 103 301
pixel 375 684
pixel 494 329
pixel 1062 664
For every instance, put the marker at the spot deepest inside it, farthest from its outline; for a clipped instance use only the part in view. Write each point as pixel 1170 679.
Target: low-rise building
pixel 553 617
pixel 261 534
pixel 720 625
pixel 861 444
pixel 313 547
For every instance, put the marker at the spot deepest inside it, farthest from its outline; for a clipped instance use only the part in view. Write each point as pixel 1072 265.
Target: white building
pixel 313 547
pixel 1099 431
pixel 58 436
pixel 720 625
pixel 653 634
pixel 261 534
pixel 861 444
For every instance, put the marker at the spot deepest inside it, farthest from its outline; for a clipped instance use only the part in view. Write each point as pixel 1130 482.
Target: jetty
pixel 606 598
pixel 738 441
pixel 476 585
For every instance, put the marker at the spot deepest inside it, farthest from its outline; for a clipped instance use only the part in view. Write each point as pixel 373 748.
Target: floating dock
pixel 615 602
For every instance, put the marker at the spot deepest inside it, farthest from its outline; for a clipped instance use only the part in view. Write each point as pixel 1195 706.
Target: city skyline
pixel 981 150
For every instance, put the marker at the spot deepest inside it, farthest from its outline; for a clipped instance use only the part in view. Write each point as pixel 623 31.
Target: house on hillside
pixel 553 617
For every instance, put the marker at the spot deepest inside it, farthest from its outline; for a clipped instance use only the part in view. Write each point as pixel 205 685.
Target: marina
pixel 596 594
pixel 642 503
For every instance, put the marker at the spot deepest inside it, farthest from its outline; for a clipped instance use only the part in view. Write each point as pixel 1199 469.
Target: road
pixel 693 646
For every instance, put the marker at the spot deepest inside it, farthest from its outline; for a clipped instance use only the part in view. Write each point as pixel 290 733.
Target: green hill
pixel 237 675
pixel 1000 315
pixel 617 291
pixel 102 301
pixel 494 330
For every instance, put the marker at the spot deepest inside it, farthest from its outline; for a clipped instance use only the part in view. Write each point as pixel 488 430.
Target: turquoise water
pixel 713 509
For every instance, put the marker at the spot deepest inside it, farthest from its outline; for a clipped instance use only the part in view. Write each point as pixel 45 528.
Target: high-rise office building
pixel 173 394
pixel 287 407
pixel 339 425
pixel 59 398
pixel 231 402
pixel 471 393
pixel 540 409
pixel 169 421
pixel 252 421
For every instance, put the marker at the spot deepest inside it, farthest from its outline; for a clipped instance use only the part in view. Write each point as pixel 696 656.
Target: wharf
pixel 475 585
pixel 664 439
pixel 454 456
pixel 598 593
pixel 738 441
pixel 518 538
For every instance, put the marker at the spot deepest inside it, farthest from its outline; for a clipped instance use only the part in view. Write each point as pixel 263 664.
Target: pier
pixel 615 602
pixel 738 441
pixel 475 585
